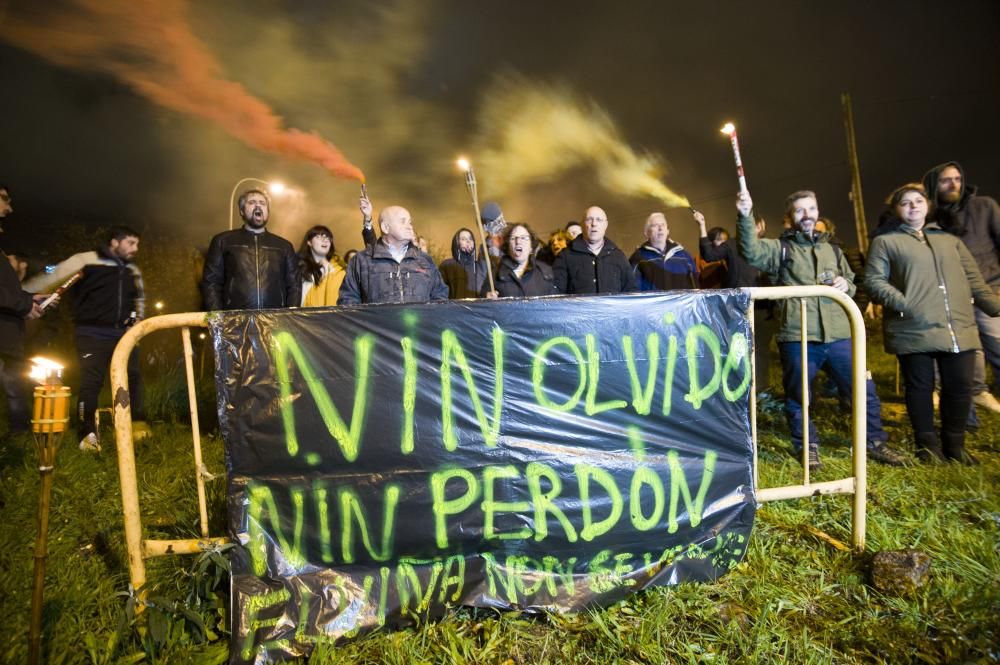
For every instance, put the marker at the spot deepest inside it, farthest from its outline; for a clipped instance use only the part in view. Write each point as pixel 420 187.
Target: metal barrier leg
pixel 804 362
pixel 195 430
pixel 753 395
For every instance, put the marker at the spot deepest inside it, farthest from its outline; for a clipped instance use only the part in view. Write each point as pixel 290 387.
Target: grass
pixel 795 597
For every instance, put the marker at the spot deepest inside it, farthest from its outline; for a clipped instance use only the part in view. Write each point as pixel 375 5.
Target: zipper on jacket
pixel 256 263
pixel 944 290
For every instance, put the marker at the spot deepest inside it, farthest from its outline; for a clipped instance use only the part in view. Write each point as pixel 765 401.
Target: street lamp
pixel 48 424
pixel 275 187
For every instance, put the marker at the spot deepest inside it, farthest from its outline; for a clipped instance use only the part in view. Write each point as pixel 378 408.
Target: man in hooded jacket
pixel 976 220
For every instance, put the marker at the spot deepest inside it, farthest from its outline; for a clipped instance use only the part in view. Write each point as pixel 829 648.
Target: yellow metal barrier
pixel 140 549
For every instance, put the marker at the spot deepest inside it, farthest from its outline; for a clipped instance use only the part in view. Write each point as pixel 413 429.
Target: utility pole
pixel 860 224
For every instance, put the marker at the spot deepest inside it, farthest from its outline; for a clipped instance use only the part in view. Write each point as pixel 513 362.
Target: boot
pixel 954 448
pixel 929 448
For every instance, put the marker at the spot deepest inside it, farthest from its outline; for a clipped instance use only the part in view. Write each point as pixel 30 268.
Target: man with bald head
pixel 592 263
pixel 392 269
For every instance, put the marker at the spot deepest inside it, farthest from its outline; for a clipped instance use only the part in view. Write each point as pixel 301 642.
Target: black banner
pixel 388 462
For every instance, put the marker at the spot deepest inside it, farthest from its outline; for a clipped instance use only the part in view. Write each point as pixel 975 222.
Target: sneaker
pixel 987 401
pixel 814 462
pixel 881 452
pixel 90 444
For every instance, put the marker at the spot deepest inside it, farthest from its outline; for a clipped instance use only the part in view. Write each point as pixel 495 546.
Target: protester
pixel 321 269
pixel 16 305
pixel 803 257
pixel 521 274
pixel 662 264
pixel 464 273
pixel 348 255
pixel 558 241
pixel 106 301
pixel 593 263
pixel 393 269
pixel 976 220
pixel 926 279
pixel 251 268
pixel 716 245
pixel 573 229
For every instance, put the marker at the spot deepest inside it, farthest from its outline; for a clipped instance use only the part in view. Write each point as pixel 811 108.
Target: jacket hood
pixel 456 253
pixel 931 185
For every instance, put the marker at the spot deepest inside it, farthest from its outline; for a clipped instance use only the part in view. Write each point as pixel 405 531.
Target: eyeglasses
pixel 599 220
pixel 323 235
pixel 520 239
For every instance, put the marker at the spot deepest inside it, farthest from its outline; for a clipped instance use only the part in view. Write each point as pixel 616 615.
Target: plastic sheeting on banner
pixel 388 462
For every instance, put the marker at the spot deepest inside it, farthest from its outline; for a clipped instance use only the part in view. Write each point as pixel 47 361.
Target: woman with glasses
pixel 926 279
pixel 321 269
pixel 520 275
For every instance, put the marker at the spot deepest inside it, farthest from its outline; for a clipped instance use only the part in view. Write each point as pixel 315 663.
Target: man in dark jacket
pixel 16 305
pixel 806 258
pixel 662 264
pixel 592 263
pixel 976 220
pixel 393 269
pixel 463 273
pixel 250 268
pixel 105 302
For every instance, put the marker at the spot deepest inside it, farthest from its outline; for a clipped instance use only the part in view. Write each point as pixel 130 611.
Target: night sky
pixel 402 89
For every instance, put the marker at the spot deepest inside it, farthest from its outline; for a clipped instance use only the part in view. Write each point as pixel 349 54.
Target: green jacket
pixel 807 258
pixel 927 282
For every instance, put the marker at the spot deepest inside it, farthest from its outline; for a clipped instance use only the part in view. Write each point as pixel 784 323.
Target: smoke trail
pixel 149 45
pixel 530 132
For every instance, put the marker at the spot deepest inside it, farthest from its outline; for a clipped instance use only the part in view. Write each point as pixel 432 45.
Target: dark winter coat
pixel 975 219
pixel 373 276
pixel 537 280
pixel 15 304
pixel 247 270
pixel 463 274
pixel 578 271
pixel 107 295
pixel 739 273
pixel 927 282
pixel 673 268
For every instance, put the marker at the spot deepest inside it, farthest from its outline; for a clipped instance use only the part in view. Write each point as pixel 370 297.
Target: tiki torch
pixel 48 424
pixel 730 130
pixel 470 184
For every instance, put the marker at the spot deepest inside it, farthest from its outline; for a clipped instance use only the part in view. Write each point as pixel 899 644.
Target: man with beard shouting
pixel 250 268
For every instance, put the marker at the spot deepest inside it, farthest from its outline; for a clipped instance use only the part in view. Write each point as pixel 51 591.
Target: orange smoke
pixel 149 45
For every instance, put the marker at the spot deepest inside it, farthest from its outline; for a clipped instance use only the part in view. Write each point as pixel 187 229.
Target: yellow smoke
pixel 530 133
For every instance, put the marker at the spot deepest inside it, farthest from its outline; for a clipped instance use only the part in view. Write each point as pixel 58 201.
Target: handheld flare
pixel 730 130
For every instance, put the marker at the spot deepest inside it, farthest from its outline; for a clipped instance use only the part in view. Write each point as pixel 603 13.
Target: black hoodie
pixel 463 275
pixel 976 219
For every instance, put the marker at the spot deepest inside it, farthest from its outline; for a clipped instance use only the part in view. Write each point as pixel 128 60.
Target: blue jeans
pixel 836 356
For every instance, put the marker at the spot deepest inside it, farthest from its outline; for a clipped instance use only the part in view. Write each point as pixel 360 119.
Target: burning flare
pixel 150 46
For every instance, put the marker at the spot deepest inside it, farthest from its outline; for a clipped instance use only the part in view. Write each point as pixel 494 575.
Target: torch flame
pixel 729 129
pixel 463 164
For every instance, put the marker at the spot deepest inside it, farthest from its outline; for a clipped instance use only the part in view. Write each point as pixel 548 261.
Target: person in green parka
pixel 926 280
